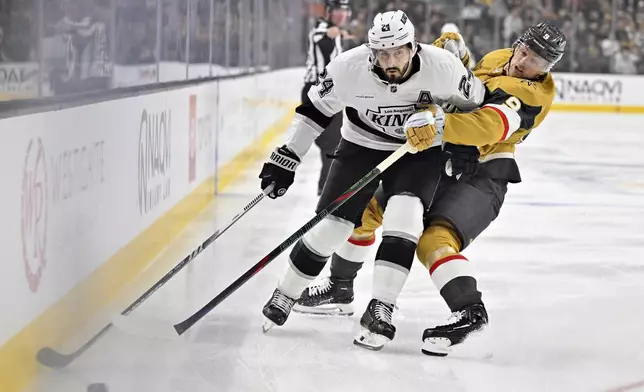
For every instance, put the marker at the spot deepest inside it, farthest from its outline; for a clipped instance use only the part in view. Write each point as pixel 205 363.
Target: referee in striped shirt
pixel 325 43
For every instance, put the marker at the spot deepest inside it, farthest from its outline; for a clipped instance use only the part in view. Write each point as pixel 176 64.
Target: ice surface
pixel 561 271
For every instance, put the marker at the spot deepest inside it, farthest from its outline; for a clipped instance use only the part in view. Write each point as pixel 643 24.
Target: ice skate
pixel 331 296
pixel 376 328
pixel 277 310
pixel 438 341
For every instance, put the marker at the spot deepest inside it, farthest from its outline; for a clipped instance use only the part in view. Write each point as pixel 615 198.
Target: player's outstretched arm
pixel 514 107
pixel 311 119
pixel 468 92
pixel 455 44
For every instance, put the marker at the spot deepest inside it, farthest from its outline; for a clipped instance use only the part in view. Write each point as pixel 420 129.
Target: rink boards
pixel 599 93
pixel 93 194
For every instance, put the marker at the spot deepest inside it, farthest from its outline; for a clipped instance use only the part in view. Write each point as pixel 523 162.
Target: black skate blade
pixel 433 354
pixel 462 353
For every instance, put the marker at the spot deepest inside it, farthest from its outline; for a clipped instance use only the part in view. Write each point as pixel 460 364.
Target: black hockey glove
pixel 280 169
pixel 462 162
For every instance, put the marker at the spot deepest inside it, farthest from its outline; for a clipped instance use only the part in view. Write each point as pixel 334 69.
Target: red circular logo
pixel 34 213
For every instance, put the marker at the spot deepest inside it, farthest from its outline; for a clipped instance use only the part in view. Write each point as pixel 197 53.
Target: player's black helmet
pixel 545 40
pixel 333 4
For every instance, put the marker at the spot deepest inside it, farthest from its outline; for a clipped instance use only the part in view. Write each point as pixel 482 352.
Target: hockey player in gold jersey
pixel 479 153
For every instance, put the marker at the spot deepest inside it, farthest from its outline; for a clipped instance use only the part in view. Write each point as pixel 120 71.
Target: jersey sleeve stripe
pixel 311 115
pixel 506 125
pixel 511 119
pixel 302 133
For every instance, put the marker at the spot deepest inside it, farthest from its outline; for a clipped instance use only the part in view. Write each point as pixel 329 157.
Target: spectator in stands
pixel 589 56
pixel 625 60
pixel 3 56
pixel 512 26
pixel 357 30
pixel 77 33
pixel 88 65
pixel 173 25
pixel 200 38
pixel 471 14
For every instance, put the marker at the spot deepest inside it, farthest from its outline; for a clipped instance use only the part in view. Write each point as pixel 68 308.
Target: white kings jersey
pixel 374 110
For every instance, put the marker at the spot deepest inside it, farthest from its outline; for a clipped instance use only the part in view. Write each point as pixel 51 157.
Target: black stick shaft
pixel 195 253
pixel 51 358
pixel 190 321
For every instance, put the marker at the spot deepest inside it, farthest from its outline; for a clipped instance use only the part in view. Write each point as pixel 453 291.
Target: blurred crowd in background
pixel 604 36
pixel 51 47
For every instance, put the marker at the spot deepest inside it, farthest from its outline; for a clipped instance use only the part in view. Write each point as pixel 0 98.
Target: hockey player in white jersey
pixel 390 90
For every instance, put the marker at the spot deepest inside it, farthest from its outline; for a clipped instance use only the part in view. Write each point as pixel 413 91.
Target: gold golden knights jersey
pixel 512 108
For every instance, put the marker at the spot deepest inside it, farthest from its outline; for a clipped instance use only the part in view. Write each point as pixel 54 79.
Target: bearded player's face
pixel 526 64
pixel 394 62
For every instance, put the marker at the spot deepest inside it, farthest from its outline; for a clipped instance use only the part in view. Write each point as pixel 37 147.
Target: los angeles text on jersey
pixel 390 119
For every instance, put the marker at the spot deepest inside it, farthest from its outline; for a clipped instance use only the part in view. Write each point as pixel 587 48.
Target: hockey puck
pixel 97 387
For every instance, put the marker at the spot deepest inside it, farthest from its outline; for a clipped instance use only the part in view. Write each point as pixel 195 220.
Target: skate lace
pixel 282 302
pixel 320 288
pixel 454 318
pixel 383 312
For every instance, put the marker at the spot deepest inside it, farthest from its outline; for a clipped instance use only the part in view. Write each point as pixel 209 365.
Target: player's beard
pixel 394 78
pixel 400 75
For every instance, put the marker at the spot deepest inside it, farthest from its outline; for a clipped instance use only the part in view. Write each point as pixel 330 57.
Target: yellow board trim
pixel 55 325
pixel 567 107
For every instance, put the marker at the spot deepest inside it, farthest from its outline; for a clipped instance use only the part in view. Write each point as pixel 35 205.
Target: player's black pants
pixel 413 174
pixel 469 206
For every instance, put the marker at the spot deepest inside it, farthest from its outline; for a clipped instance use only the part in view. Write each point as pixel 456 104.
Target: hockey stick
pixel 54 359
pixel 190 321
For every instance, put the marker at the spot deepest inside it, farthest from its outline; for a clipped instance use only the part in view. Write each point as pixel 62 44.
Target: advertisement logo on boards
pixel 192 131
pixel 155 159
pixel 19 79
pixel 147 74
pixel 588 89
pixel 51 186
pixel 200 135
pixel 205 136
pixel 34 213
